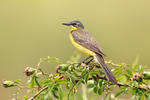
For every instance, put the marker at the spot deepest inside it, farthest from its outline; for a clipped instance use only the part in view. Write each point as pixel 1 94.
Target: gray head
pixel 74 23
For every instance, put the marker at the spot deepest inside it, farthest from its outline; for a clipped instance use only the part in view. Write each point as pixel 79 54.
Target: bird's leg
pixel 89 61
pixel 84 61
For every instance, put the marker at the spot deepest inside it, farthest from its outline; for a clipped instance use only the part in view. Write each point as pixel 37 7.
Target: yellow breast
pixel 81 48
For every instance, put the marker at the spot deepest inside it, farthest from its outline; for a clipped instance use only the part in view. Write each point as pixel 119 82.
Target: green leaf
pixel 55 94
pixel 122 79
pixel 54 91
pixel 84 73
pixel 78 83
pixel 135 67
pixel 61 93
pixel 17 81
pixel 47 95
pixel 129 72
pixel 72 79
pixel 100 91
pixel 147 75
pixel 94 72
pixel 95 89
pixel 90 85
pixel 100 83
pixel 37 82
pixel 140 68
pixel 51 59
pixel 86 77
pixel 119 93
pixel 118 71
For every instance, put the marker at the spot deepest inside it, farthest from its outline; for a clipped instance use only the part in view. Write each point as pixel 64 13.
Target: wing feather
pixel 85 39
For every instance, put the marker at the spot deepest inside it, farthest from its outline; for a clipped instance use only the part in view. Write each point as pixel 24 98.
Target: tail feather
pixel 106 69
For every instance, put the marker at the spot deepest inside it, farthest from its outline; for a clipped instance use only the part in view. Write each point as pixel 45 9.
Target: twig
pixel 32 98
pixel 120 84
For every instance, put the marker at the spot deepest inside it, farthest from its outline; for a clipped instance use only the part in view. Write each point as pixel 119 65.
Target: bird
pixel 87 44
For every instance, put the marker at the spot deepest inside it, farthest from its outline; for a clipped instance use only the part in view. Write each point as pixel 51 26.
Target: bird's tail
pixel 106 69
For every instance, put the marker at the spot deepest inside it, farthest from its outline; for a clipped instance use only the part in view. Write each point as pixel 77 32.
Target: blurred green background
pixel 31 29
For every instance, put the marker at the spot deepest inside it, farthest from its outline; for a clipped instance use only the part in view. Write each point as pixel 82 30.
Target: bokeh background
pixel 31 29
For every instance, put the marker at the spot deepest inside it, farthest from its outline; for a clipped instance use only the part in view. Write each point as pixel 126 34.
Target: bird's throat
pixel 75 28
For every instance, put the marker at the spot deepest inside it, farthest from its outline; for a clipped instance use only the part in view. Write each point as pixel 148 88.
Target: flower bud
pixel 29 71
pixel 51 76
pixel 137 77
pixel 7 83
pixel 62 67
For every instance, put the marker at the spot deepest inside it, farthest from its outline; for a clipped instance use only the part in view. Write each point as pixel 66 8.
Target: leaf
pixel 118 71
pixel 100 83
pixel 140 68
pixel 60 82
pixel 119 93
pixel 51 59
pixel 134 67
pixel 90 85
pixel 47 95
pixel 55 94
pixel 94 72
pixel 78 83
pixel 142 97
pixel 86 77
pixel 37 82
pixel 17 81
pixel 100 91
pixel 72 79
pixel 61 94
pixel 129 72
pixel 84 73
pixel 122 79
pixel 32 82
pixel 95 90
pixel 54 91
pixel 146 75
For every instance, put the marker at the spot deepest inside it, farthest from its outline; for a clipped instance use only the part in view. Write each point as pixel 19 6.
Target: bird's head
pixel 75 23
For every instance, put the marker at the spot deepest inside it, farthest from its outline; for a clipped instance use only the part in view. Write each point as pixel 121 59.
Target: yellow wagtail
pixel 86 44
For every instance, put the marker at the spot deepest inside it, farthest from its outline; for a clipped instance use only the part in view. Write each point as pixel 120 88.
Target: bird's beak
pixel 67 24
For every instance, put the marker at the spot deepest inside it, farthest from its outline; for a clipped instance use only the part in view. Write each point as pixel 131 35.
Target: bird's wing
pixel 85 39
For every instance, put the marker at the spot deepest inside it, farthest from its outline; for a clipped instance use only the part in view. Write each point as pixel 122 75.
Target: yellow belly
pixel 81 48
